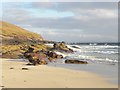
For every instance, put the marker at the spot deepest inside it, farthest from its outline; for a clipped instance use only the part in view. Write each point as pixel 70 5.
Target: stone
pixel 76 47
pixel 43 62
pixel 62 47
pixel 51 59
pixel 11 68
pixel 59 56
pixel 41 57
pixel 25 69
pixel 29 64
pixel 72 61
pixel 26 54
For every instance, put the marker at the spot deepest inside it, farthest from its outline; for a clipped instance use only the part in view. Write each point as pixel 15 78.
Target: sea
pixel 102 59
pixel 96 53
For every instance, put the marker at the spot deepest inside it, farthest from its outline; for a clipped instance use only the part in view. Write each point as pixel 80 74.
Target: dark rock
pixel 52 55
pixel 30 50
pixel 62 47
pixel 40 57
pixel 37 58
pixel 72 61
pixel 25 69
pixel 29 64
pixel 51 59
pixel 43 62
pixel 11 68
pixel 75 47
pixel 56 45
pixel 59 56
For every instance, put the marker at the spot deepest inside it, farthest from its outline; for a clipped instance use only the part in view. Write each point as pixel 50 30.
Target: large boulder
pixel 72 61
pixel 35 57
pixel 52 56
pixel 62 47
pixel 30 50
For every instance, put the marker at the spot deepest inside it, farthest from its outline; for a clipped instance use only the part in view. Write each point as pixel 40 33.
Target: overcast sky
pixel 66 21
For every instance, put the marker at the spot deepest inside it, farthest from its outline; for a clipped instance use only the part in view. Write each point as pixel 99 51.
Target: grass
pixel 10 30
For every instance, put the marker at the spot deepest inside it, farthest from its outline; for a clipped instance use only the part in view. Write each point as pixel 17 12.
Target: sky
pixel 65 21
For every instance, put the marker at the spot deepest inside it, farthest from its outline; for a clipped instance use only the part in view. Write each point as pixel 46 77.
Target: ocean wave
pixel 81 53
pixel 59 53
pixel 75 49
pixel 92 49
pixel 91 58
pixel 102 52
pixel 100 47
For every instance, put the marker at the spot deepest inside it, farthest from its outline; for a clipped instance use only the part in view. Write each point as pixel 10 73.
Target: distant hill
pixel 12 34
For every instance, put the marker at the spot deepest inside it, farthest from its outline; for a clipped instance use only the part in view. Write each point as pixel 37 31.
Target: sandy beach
pixel 44 76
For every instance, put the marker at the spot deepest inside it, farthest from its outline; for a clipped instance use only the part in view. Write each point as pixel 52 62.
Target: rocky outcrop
pixel 41 57
pixel 52 56
pixel 35 57
pixel 62 47
pixel 72 61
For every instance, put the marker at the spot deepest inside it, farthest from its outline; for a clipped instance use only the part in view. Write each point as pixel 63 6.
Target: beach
pixel 59 45
pixel 45 76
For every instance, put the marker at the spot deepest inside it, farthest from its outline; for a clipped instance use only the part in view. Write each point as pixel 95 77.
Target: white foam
pixel 59 53
pixel 102 52
pixel 74 49
pixel 49 45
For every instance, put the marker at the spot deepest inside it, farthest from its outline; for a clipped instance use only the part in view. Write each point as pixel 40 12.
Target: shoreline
pixel 103 70
pixel 44 76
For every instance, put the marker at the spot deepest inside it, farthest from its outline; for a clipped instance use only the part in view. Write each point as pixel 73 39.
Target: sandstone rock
pixel 72 61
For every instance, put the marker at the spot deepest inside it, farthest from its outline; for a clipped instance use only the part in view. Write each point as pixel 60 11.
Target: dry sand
pixel 44 76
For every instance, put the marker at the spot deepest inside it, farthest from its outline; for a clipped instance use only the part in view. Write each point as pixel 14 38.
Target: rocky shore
pixel 18 43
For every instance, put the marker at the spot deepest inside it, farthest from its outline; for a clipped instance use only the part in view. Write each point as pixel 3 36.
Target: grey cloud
pixel 75 5
pixel 76 36
pixel 103 27
pixel 93 28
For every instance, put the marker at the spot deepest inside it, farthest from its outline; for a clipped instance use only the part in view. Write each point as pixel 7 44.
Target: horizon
pixel 65 21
